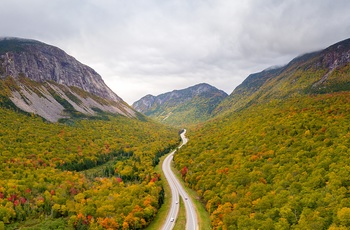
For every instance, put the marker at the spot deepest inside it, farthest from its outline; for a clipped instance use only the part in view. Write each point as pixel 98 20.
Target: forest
pixel 50 178
pixel 283 164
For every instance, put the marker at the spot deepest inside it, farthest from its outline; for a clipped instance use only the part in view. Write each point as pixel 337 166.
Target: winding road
pixel 176 191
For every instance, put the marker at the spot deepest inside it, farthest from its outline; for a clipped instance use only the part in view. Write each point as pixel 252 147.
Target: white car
pixel 172 220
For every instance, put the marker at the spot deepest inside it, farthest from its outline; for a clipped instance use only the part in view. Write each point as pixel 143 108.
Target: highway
pixel 176 191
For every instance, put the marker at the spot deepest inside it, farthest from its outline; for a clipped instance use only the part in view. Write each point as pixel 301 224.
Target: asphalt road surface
pixel 176 191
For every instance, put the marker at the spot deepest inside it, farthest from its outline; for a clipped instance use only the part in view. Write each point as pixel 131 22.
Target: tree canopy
pixel 48 171
pixel 280 165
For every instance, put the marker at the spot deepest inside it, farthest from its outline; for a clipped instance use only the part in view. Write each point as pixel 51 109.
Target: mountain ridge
pixel 193 104
pixel 48 66
pixel 43 62
pixel 310 73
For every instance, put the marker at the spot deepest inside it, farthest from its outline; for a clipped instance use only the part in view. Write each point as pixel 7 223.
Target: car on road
pixel 172 220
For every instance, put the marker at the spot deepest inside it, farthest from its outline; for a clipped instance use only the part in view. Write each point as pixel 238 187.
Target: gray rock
pixel 46 64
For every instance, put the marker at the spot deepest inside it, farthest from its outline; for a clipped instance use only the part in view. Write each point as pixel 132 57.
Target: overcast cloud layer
pixel 154 46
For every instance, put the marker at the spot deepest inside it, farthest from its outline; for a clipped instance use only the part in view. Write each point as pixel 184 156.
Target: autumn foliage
pixel 280 165
pixel 92 174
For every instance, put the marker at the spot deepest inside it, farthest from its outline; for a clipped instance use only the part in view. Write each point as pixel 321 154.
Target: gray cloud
pixel 155 46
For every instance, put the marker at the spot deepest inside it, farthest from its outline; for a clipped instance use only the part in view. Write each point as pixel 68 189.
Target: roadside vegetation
pixel 95 174
pixel 202 215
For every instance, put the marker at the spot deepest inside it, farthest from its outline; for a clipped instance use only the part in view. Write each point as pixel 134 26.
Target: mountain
pixel 319 72
pixel 98 172
pixel 277 156
pixel 44 80
pixel 181 107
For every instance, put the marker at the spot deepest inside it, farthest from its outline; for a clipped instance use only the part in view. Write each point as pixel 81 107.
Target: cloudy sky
pixel 144 47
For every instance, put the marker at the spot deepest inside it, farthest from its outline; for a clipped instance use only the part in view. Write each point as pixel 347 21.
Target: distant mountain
pixel 319 72
pixel 44 80
pixel 180 107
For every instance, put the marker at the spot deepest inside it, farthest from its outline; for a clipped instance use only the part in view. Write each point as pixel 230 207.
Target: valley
pixel 274 154
pixel 178 191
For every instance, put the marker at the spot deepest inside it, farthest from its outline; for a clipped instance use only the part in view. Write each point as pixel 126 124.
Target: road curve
pixel 176 190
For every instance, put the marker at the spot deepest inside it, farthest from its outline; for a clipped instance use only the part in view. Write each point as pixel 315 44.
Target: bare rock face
pixel 46 100
pixel 42 63
pixel 336 55
pixel 144 104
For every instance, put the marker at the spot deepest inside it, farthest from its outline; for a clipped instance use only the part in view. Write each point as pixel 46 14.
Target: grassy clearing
pixel 98 171
pixel 203 215
pixel 181 219
pixel 40 224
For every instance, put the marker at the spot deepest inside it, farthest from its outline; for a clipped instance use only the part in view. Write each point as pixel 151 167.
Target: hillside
pixel 96 174
pixel 278 157
pixel 281 165
pixel 95 168
pixel 318 72
pixel 42 79
pixel 181 107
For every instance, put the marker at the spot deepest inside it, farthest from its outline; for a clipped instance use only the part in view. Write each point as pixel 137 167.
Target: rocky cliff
pixel 63 83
